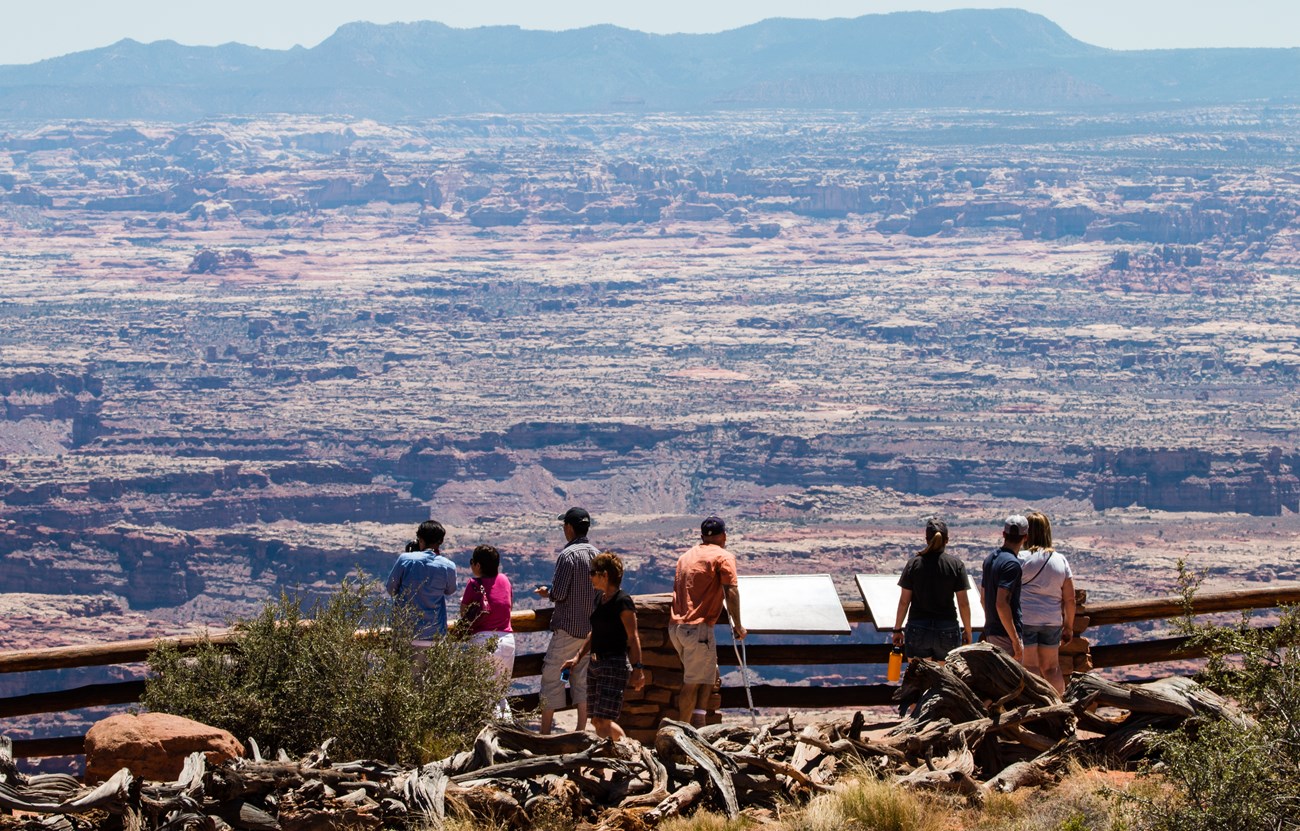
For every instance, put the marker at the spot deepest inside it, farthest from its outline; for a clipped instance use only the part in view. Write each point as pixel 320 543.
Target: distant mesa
pixel 967 58
pixel 494 215
pixel 710 373
pixel 208 261
pixel 763 230
pixel 336 193
pixel 902 328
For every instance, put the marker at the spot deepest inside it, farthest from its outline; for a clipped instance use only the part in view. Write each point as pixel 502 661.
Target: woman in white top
pixel 1046 602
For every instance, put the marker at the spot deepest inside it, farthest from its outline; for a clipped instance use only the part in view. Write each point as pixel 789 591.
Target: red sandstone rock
pixel 152 745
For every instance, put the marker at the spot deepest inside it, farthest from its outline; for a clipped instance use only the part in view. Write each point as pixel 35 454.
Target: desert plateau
pixel 244 356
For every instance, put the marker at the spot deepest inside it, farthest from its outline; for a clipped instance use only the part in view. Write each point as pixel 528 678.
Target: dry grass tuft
pixel 869 804
pixel 1085 800
pixel 704 821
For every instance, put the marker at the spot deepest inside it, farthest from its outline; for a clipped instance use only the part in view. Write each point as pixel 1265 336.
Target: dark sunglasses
pixel 593 573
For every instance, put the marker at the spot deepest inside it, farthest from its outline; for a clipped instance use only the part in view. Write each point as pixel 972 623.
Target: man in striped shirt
pixel 574 598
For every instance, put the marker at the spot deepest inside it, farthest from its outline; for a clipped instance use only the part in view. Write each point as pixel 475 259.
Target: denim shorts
pixel 1041 635
pixel 930 639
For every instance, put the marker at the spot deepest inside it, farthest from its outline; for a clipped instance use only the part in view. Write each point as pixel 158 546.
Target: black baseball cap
pixel 576 517
pixel 712 525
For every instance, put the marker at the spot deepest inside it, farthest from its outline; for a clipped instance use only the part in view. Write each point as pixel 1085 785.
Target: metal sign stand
pixel 744 677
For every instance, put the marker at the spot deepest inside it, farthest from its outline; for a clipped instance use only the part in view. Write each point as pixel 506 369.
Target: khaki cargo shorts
pixel 697 646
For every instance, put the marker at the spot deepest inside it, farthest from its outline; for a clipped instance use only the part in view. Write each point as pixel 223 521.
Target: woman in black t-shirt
pixel 931 582
pixel 613 640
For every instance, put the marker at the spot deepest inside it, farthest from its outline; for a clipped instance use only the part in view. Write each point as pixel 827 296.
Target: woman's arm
pixel 963 608
pixel 904 601
pixel 628 616
pixel 1067 610
pixel 473 596
pixel 582 653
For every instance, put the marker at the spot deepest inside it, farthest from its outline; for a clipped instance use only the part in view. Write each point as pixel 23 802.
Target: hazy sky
pixel 32 31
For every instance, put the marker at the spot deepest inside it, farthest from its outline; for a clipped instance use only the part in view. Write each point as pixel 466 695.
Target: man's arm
pixel 904 602
pixel 963 608
pixel 562 582
pixel 1067 610
pixel 1009 622
pixel 394 584
pixel 732 595
pixel 450 588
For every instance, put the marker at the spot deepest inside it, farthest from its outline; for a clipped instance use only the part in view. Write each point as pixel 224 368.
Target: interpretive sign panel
pixel 805 604
pixel 880 591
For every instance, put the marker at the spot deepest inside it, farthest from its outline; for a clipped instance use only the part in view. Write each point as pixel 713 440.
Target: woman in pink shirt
pixel 487 602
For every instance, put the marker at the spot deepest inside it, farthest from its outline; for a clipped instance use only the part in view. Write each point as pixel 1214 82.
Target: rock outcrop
pixel 335 193
pixel 153 746
pixel 1196 480
pixel 35 398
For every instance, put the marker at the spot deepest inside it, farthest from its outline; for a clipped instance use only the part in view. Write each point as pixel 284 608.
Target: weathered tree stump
pixel 932 692
pixel 978 726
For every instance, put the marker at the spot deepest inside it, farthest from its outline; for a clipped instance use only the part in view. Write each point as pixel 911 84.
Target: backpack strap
pixel 1050 553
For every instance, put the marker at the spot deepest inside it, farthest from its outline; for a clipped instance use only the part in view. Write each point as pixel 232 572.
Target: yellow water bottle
pixel 895 664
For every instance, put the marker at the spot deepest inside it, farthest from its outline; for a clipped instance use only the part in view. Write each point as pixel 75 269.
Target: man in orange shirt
pixel 706 579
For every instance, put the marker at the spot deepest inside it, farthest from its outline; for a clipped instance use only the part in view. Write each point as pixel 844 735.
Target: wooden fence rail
pixel 1101 613
pixel 1163 608
pixel 837 655
pixel 526 666
pixel 91 695
pixel 134 652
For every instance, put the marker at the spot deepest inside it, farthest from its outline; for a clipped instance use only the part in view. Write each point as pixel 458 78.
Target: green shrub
pixel 294 678
pixel 1239 775
pixel 1084 800
pixel 1074 822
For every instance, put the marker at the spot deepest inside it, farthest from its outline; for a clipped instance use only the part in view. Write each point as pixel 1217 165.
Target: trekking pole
pixel 744 677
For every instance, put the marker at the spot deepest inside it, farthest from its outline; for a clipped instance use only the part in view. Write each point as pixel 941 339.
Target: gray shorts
pixel 1000 641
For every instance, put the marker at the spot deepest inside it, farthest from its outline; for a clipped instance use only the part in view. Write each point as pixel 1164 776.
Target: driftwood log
pixel 976 726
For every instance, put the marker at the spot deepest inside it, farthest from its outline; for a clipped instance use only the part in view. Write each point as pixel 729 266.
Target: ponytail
pixel 936 536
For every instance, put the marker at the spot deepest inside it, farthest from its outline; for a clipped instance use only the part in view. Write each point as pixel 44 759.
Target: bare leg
pixel 547 722
pixel 687 700
pixel 1049 658
pixel 562 647
pixel 1029 660
pixel 701 704
pixel 608 728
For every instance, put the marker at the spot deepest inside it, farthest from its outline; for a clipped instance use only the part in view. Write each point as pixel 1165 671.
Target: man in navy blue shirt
pixel 424 579
pixel 1000 589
